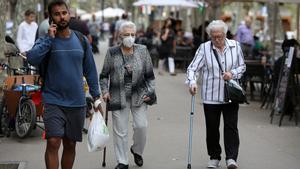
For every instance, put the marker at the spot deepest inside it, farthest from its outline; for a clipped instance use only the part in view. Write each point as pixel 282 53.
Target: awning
pixel 283 1
pixel 110 12
pixel 176 3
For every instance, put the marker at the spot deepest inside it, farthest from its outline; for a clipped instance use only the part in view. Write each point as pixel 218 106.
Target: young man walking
pixel 63 95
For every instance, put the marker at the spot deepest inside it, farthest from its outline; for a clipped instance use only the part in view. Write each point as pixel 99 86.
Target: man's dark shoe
pixel 121 166
pixel 137 158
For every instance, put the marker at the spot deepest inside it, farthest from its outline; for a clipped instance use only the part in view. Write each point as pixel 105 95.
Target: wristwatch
pixel 96 98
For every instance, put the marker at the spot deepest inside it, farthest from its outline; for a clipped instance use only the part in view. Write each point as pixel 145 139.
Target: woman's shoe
pixel 213 163
pixel 121 166
pixel 137 158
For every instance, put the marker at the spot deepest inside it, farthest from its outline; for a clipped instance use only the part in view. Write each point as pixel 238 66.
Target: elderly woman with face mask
pixel 127 82
pixel 205 62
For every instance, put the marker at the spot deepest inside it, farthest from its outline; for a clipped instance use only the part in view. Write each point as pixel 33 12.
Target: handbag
pixel 150 94
pixel 233 92
pixel 152 97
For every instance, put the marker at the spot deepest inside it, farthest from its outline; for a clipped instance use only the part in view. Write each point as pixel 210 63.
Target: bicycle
pixel 21 105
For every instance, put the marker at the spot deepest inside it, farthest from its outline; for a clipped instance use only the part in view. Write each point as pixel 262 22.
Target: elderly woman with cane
pixel 127 82
pixel 206 61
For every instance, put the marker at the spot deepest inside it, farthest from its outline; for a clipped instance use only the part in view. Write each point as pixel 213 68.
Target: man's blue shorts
pixel 63 121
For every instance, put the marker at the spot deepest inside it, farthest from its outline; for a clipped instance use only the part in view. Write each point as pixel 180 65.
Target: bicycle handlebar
pixel 23 69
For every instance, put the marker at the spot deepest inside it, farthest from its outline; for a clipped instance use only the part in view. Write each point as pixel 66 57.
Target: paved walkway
pixel 263 145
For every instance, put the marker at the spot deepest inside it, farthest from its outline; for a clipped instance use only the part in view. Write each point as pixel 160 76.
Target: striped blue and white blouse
pixel 204 62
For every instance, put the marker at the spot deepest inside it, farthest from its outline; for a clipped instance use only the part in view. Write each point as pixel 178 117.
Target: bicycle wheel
pixel 25 118
pixel 4 119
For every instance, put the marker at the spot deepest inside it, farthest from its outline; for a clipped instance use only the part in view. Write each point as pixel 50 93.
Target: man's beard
pixel 62 27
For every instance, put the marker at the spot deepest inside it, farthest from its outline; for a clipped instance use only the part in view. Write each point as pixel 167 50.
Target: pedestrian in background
pixel 127 81
pixel 245 36
pixel 79 25
pixel 25 38
pixel 105 29
pixel 212 91
pixel 167 49
pixel 112 30
pixel 62 93
pixel 119 22
pixel 44 26
pixel 26 31
pixel 94 28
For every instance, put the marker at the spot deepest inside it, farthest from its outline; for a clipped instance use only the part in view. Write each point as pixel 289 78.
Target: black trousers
pixel 231 134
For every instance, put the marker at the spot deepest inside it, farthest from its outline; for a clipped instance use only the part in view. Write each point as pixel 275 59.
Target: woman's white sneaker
pixel 213 163
pixel 231 164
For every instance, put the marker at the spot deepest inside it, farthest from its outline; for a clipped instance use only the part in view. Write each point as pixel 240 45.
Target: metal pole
pixel 298 13
pixel 45 5
pixel 203 23
pixel 102 8
pixel 214 7
pixel 189 166
pixel 274 31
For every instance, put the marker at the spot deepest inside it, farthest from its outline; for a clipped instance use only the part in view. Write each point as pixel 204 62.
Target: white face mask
pixel 128 41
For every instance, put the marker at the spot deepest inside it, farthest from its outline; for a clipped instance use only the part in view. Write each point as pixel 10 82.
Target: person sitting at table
pixel 257 49
pixel 181 40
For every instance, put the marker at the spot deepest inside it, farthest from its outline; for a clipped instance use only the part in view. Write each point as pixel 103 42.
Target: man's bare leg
pixel 51 154
pixel 68 155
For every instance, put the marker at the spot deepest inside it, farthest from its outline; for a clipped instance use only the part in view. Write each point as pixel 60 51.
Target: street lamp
pixel 102 8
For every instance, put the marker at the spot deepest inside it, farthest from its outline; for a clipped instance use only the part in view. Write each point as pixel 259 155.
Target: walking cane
pixel 191 133
pixel 104 151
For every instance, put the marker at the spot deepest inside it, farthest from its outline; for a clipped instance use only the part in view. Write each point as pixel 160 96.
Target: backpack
pixel 43 66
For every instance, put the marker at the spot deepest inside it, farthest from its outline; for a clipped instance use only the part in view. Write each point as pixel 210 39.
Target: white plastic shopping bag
pixel 98 134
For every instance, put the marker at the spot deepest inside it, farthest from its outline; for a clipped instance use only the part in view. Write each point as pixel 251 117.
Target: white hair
pixel 127 24
pixel 216 25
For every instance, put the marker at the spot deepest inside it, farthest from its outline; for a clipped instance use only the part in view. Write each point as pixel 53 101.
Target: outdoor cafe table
pixel 256 72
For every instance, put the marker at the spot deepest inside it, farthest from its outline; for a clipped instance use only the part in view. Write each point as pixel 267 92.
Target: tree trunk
pixel 128 5
pixel 215 11
pixel 275 30
pixel 12 9
pixel 3 11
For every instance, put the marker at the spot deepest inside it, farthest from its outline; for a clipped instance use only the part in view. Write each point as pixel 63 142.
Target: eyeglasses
pixel 220 37
pixel 128 34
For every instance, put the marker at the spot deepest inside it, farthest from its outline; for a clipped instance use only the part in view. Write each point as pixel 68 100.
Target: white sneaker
pixel 231 164
pixel 213 163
